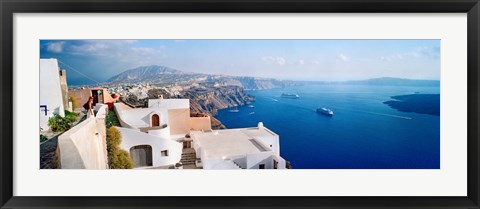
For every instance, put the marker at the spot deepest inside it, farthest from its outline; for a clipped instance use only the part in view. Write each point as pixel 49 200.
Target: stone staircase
pixel 188 156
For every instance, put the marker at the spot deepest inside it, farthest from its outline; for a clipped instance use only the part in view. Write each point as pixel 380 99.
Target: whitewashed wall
pixel 50 91
pixel 266 141
pixel 83 146
pixel 169 103
pixel 131 137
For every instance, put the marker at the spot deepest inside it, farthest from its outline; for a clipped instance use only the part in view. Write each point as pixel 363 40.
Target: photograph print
pixel 239 104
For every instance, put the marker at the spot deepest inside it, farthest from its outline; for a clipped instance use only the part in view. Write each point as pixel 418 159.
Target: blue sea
pixel 364 133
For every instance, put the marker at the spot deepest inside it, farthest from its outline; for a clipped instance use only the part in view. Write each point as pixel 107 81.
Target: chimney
pixel 260 125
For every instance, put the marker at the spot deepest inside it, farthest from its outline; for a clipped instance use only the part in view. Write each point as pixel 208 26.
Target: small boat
pixel 251 113
pixel 251 106
pixel 290 96
pixel 325 111
pixel 234 110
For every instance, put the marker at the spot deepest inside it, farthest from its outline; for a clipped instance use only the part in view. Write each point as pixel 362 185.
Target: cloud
pixel 55 47
pixel 268 59
pixel 398 56
pixel 342 57
pixel 432 52
pixel 274 60
pixel 301 62
pixel 420 52
pixel 280 61
pixel 122 51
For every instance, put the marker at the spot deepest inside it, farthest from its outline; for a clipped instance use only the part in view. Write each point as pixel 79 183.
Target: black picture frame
pixel 10 7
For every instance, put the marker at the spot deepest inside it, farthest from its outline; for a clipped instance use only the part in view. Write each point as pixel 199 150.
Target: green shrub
pixel 111 119
pixel 114 138
pixel 74 101
pixel 58 123
pixel 71 116
pixel 122 160
pixel 117 158
pixel 43 138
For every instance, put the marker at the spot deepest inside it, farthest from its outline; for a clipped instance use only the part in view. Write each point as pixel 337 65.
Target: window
pixel 261 166
pixel 275 164
pixel 270 145
pixel 164 153
pixel 43 108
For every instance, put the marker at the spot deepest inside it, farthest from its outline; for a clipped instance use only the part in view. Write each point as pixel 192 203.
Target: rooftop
pixel 231 142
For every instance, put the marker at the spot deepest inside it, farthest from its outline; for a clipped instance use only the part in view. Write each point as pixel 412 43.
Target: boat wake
pixel 389 115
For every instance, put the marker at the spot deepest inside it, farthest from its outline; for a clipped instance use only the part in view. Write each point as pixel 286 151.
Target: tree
pixel 74 101
pixel 117 157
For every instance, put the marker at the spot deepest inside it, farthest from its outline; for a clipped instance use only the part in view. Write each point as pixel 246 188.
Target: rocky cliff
pixel 211 100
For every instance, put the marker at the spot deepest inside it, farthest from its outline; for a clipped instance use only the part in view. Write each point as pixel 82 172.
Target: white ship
pixel 234 109
pixel 325 111
pixel 291 96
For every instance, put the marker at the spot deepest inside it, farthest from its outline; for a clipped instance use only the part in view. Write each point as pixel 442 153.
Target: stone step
pixel 188 158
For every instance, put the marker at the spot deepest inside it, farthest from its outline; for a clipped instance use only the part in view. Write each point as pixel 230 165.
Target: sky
pixel 87 61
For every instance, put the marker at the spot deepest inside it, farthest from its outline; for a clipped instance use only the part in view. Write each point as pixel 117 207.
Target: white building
pixel 154 135
pixel 244 148
pixel 164 134
pixel 51 101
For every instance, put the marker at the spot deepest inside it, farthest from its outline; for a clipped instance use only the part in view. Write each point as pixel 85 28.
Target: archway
pixel 141 155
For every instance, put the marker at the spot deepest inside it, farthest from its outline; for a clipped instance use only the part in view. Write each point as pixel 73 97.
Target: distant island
pixel 417 103
pixel 388 81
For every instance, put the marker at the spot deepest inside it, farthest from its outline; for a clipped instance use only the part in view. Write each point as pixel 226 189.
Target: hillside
pixel 164 76
pixel 148 73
